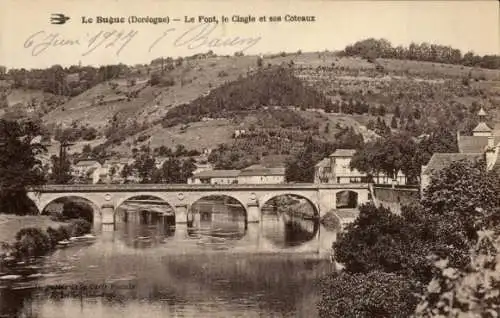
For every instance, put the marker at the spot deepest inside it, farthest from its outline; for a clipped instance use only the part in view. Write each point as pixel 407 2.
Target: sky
pixel 29 40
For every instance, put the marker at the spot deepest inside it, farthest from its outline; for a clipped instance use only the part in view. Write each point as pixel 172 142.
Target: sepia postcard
pixel 298 158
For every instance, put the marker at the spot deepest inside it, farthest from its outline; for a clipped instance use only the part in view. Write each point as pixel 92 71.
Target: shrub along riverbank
pixel 33 241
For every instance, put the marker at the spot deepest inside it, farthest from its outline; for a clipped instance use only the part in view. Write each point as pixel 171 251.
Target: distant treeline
pixel 271 87
pixel 65 81
pixel 381 48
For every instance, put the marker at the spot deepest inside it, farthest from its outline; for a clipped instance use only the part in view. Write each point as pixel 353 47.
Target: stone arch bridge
pixel 107 197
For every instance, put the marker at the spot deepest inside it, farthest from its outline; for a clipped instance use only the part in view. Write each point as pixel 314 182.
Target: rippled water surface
pixel 215 267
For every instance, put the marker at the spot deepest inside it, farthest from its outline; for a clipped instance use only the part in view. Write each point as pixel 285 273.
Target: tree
pixel 394 122
pixel 154 79
pixel 126 172
pixel 144 165
pixel 61 170
pixel 466 293
pixel 389 156
pixel 327 128
pixel 78 210
pixel 379 240
pixel 188 166
pixel 87 149
pixel 437 233
pixel 171 171
pixel 381 110
pixel 375 294
pixel 468 197
pixel 19 166
pixel 180 150
pixel 397 112
pixel 301 167
pixel 112 172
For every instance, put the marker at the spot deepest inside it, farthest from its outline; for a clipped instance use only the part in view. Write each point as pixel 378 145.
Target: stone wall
pixel 394 198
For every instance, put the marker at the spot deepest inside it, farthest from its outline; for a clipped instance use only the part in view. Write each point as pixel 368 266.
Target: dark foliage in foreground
pixel 19 167
pixel 375 294
pixel 32 241
pixel 461 201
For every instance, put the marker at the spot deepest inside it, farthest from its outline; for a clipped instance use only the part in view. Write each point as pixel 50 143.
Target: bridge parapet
pixel 190 187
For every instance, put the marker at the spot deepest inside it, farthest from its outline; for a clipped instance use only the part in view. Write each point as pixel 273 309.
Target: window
pixel 327 169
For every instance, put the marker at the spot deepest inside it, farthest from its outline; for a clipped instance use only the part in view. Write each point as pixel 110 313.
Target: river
pixel 218 268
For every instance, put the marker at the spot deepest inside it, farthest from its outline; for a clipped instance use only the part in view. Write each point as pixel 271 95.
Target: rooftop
pixel 323 163
pixel 86 163
pixel 439 161
pixel 118 161
pixel 482 127
pixel 217 174
pixel 343 153
pixel 259 170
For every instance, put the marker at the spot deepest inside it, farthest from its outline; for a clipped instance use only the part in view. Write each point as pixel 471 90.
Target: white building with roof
pixel 258 174
pixel 255 174
pixel 336 168
pixel 215 177
pixel 85 168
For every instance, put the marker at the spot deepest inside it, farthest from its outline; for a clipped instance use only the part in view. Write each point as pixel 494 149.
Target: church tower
pixel 482 128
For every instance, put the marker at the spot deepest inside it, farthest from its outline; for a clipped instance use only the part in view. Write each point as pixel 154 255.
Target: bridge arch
pixel 265 199
pixel 286 228
pixel 96 209
pixel 194 200
pixel 132 195
pixel 148 198
pixel 347 199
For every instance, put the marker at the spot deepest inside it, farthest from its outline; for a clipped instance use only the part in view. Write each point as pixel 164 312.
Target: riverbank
pixel 22 241
pixel 11 224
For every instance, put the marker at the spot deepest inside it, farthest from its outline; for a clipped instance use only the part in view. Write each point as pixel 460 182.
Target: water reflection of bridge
pixel 288 228
pixel 219 222
pixel 146 212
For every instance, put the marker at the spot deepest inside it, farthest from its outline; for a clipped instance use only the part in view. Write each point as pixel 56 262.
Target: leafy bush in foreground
pixel 474 292
pixel 80 227
pixel 56 235
pixel 376 294
pixel 31 241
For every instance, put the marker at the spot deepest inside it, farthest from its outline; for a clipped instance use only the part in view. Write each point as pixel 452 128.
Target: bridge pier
pixel 108 217
pixel 253 212
pixel 181 212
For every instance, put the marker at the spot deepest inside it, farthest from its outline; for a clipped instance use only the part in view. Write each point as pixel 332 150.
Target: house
pixel 84 168
pixel 336 168
pixel 101 175
pixel 215 177
pixel 238 133
pixel 255 174
pixel 202 166
pixel 159 161
pixel 112 169
pixel 483 144
pixel 258 174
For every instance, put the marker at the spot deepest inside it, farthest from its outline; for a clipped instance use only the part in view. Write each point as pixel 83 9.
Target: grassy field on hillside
pixel 388 82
